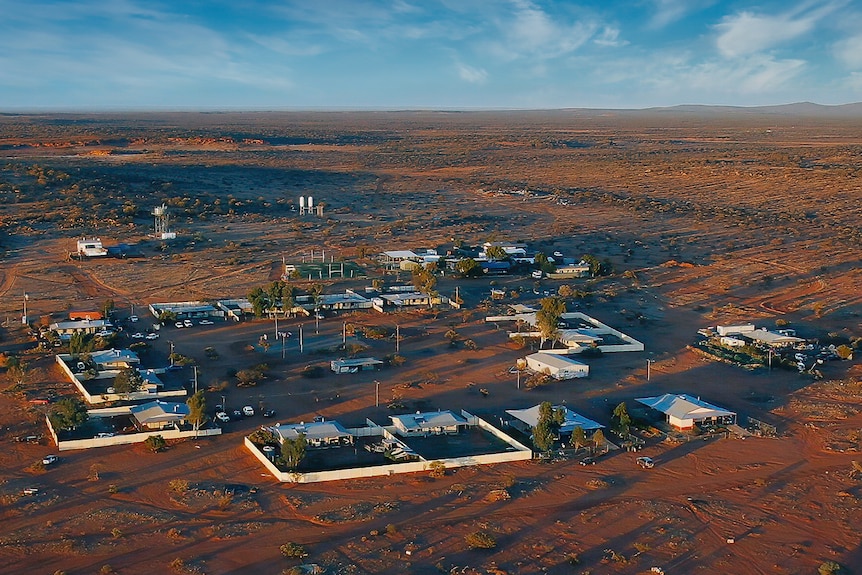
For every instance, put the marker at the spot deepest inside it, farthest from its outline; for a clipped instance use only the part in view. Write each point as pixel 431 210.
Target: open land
pixel 707 218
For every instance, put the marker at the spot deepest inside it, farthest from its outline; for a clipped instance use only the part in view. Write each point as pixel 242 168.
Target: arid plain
pixel 708 217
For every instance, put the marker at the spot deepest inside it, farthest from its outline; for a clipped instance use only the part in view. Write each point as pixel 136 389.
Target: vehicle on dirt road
pixel 646 462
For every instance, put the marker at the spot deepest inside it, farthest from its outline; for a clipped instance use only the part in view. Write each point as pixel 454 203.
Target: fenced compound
pixel 761 428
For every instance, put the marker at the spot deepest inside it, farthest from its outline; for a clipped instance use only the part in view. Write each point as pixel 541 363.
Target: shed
pixel 557 366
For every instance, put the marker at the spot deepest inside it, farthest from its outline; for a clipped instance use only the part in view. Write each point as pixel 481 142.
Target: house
pixel 492 267
pixel 731 341
pixel 157 415
pixel 683 411
pixel 65 329
pixel 236 309
pixel 527 419
pixel 343 301
pixel 512 249
pixel 317 433
pixel 186 310
pixel 114 359
pixel 429 423
pixel 385 302
pixel 91 248
pixel 355 365
pixel 559 367
pixel 578 270
pixel 772 339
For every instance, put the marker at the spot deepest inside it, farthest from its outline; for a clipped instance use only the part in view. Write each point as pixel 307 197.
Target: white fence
pixel 108 397
pixel 125 439
pixel 521 453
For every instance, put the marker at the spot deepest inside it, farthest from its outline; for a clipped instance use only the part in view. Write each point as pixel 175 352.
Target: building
pixel 355 365
pixel 85 315
pixel 772 339
pixel 527 419
pixel 512 249
pixel 429 423
pixel 579 270
pixel 157 415
pixel 91 248
pixel 317 433
pixel 186 310
pixel 65 329
pixel 492 267
pixel 683 411
pixel 392 260
pixel 114 359
pixel 734 329
pixel 343 301
pixel 557 366
pixel 398 301
pixel 236 309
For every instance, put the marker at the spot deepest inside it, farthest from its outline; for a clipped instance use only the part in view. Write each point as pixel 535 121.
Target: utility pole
pixel 283 336
pixel 344 333
pixel 196 377
pixel 300 338
pixel 649 362
pixel 397 338
pixel 24 317
pixel 171 357
pixel 376 393
pixel 317 320
pixel 275 315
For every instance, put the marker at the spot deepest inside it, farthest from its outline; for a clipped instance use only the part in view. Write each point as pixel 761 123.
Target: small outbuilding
pixel 684 411
pixel 557 366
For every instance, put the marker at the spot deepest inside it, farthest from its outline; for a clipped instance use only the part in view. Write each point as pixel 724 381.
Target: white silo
pixel 310 204
pixel 301 205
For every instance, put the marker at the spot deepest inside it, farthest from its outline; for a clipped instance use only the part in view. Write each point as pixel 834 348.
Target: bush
pixel 829 568
pixel 294 550
pixel 480 540
pixel 156 443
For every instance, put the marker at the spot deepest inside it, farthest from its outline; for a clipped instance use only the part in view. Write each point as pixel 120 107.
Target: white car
pixel 133 318
pixel 187 323
pixel 104 333
pixel 248 411
pixel 49 459
pixel 152 336
pixel 222 416
pixel 205 322
pixel 179 325
pixel 138 335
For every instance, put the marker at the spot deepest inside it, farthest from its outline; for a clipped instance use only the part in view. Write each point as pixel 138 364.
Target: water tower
pixel 162 222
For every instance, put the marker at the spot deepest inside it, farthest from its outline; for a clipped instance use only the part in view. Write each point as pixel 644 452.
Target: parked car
pixel 104 333
pixel 49 459
pixel 105 434
pixel 248 411
pixel 587 461
pixel 269 413
pixel 222 417
pixel 138 335
pixel 188 323
pixel 152 336
pixel 31 491
pixel 205 322
pixel 179 325
pixel 646 462
pixel 133 318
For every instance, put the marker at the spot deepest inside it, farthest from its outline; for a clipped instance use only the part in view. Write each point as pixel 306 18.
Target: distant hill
pixel 808 109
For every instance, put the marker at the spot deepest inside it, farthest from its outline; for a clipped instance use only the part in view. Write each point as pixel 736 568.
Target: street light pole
pixel 275 315
pixel 300 338
pixel 24 317
pixel 171 357
pixel 376 393
pixel 283 336
pixel 649 362
pixel 397 338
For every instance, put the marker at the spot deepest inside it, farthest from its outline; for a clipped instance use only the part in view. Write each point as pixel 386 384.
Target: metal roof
pixel 572 420
pixel 683 406
pixel 159 411
pixel 314 430
pixel 555 360
pixel 428 420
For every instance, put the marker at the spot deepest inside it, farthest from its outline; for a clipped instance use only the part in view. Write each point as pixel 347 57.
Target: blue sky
pixel 442 54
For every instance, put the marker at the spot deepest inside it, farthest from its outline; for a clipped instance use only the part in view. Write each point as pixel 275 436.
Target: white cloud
pixel 669 11
pixel 849 51
pixel 748 33
pixel 610 37
pixel 471 74
pixel 530 32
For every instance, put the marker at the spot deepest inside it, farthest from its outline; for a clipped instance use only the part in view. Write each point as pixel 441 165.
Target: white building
pixel 430 423
pixel 91 248
pixel 684 411
pixel 557 366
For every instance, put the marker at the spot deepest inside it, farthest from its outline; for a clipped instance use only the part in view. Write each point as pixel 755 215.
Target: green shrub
pixel 480 540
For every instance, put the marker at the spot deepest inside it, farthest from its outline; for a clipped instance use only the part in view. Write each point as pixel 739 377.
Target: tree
pixel 129 380
pixel 81 342
pixel 293 451
pixel 546 428
pixel 480 540
pixel 598 439
pixel 621 420
pixel 68 413
pixel 17 370
pixel 597 267
pixel 288 299
pixel 108 307
pixel 496 253
pixel 548 317
pixel 579 438
pixel 167 317
pixel 156 443
pixel 424 280
pixel 197 409
pixel 293 550
pixel 543 263
pixel 468 267
pixel 259 301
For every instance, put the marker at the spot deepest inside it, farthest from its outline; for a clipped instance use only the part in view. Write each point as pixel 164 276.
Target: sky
pixel 425 54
